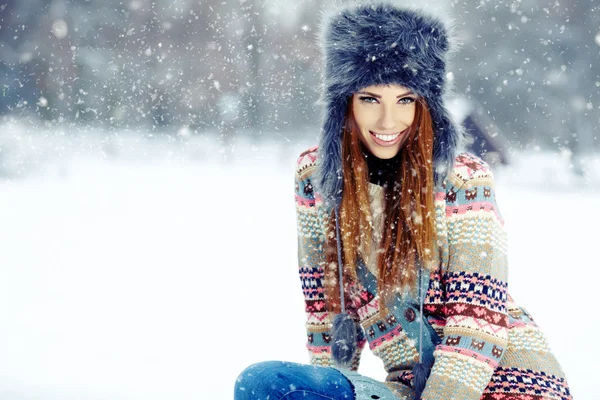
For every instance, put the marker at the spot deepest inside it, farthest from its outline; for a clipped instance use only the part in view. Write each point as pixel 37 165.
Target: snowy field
pixel 138 267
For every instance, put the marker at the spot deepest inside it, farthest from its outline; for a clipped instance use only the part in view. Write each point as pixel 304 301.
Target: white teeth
pixel 387 138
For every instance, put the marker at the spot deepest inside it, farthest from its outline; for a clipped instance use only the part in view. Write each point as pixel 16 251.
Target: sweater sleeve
pixel 311 262
pixel 475 285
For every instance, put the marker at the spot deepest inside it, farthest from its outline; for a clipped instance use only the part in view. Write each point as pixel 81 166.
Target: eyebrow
pixel 379 96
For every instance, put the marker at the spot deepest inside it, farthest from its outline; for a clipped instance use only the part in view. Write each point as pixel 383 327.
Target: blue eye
pixel 409 100
pixel 373 100
pixel 367 99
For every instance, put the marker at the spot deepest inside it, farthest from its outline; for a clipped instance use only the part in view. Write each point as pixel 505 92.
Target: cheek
pixel 409 117
pixel 364 118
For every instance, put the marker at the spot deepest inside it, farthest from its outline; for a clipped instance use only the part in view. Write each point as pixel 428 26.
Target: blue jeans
pixel 281 380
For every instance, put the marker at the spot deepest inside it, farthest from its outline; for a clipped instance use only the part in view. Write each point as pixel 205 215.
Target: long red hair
pixel 408 234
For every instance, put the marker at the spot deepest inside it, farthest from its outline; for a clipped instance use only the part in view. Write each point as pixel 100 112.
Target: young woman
pixel 400 241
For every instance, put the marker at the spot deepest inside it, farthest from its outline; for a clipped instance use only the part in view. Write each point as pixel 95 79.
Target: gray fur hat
pixel 377 42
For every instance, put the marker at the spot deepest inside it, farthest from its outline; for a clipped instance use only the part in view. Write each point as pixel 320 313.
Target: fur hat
pixel 376 42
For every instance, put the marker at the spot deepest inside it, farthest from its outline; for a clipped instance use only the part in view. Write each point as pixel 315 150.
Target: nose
pixel 386 118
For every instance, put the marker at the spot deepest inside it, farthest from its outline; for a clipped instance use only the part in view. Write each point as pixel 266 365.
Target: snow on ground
pixel 148 267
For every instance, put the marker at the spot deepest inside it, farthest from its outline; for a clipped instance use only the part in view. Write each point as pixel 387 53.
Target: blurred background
pixel 147 152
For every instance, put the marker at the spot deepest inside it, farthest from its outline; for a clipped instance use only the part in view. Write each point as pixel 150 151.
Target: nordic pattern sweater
pixel 488 347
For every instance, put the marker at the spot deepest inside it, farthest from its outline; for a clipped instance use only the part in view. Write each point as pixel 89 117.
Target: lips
pixel 386 136
pixel 386 140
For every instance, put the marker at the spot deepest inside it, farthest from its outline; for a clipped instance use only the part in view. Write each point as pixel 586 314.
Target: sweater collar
pixel 381 171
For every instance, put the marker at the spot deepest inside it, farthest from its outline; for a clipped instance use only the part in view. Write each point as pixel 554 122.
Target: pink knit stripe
pixel 386 338
pixel 459 321
pixel 468 353
pixel 511 396
pixel 520 324
pixel 313 274
pixel 440 196
pixel 475 206
pixel 318 349
pixel 301 201
pixel 308 156
pixel 368 309
pixel 310 273
pixel 316 318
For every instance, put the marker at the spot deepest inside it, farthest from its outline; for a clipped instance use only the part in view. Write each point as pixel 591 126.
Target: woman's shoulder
pixel 307 162
pixel 470 170
pixel 306 195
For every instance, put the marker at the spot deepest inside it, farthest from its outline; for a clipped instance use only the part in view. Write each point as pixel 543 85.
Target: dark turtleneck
pixel 381 171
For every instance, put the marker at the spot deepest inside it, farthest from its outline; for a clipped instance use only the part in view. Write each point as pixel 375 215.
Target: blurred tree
pixel 532 65
pixel 18 20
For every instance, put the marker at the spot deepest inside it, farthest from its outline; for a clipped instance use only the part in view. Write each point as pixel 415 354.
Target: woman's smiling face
pixel 383 114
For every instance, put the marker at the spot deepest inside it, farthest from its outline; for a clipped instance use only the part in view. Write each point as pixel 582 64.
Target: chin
pixel 383 153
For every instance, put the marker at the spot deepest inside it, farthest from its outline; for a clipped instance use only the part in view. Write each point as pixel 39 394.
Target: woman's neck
pixel 381 171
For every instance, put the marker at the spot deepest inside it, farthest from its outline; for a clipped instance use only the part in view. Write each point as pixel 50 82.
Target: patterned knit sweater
pixel 484 345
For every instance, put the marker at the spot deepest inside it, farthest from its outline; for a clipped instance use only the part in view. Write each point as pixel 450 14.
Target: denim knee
pixel 254 382
pixel 282 380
